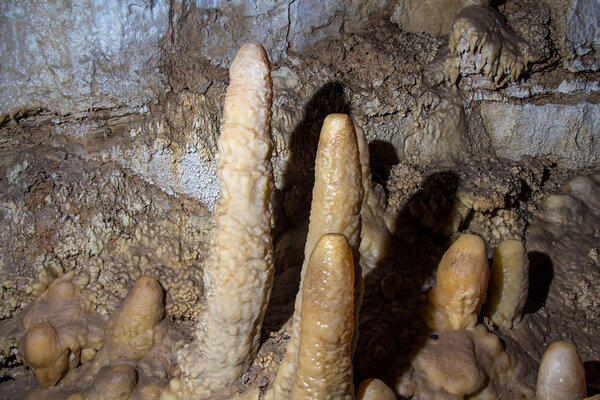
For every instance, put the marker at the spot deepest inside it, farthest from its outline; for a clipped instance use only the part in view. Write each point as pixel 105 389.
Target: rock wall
pixel 69 57
pixel 109 114
pixel 72 57
pixel 557 131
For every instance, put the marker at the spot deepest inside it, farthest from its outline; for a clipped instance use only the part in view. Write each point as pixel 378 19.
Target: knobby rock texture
pixel 110 116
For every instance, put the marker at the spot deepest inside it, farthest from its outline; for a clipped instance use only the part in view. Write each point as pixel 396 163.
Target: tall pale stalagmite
pixel 239 273
pixel 335 208
pixel 324 369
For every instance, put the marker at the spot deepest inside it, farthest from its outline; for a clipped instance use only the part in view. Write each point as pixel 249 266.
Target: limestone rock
pixel 565 133
pixel 71 57
pixel 583 35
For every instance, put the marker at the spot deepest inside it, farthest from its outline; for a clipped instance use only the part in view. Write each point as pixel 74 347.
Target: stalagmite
pixel 561 375
pixel 336 205
pixel 376 238
pixel 45 354
pixel 116 383
pixel 324 369
pixel 462 279
pixel 509 281
pixel 464 364
pixel 131 328
pixel 239 273
pixel 60 331
pixel 374 389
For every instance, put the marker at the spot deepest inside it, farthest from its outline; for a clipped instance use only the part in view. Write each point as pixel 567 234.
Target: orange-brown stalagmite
pixel 324 369
pixel 462 280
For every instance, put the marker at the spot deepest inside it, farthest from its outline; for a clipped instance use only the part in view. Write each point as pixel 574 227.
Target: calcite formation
pixel 561 375
pixel 115 383
pixel 374 389
pixel 324 363
pixel 138 325
pixel 115 190
pixel 336 208
pixel 106 226
pixel 497 50
pixel 86 357
pixel 45 354
pixel 239 273
pixel 376 224
pixel 460 289
pixel 61 331
pixel 560 238
pixel 509 284
pixel 439 132
pixel 457 364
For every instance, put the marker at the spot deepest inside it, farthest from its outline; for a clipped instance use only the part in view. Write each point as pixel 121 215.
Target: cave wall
pixel 120 59
pixel 71 57
pixel 110 110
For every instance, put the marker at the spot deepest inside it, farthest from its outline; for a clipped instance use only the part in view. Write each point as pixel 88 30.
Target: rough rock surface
pixel 107 154
pixel 583 37
pixel 563 133
pixel 562 241
pixel 435 17
pixel 62 213
pixel 71 57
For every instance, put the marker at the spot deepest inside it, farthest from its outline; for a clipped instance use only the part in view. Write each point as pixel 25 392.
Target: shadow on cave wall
pixel 391 324
pixel 496 3
pixel 292 203
pixel 541 273
pixel 392 329
pixel 382 156
pixel 389 321
pixel 592 377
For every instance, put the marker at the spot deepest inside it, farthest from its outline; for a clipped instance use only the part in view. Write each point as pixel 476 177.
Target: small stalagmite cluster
pixel 60 332
pixel 462 358
pixel 73 348
pixel 137 353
